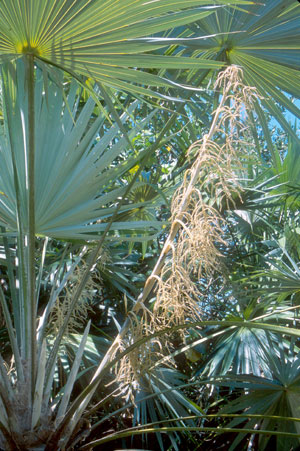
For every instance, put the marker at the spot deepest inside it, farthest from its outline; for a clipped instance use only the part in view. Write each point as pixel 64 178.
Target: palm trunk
pixel 31 297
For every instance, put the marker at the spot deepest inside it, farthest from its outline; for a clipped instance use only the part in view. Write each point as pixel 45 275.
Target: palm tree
pixel 61 180
pixel 98 41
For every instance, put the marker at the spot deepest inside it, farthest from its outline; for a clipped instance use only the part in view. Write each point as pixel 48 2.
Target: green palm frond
pixel 97 38
pixel 77 180
pixel 287 171
pixel 276 395
pixel 240 351
pixel 169 402
pixel 264 41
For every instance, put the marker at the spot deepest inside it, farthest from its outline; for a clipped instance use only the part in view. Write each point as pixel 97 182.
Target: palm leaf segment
pixel 78 173
pixel 97 38
pixel 264 41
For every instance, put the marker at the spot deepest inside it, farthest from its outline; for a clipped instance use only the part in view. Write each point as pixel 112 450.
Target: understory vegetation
pixel 149 225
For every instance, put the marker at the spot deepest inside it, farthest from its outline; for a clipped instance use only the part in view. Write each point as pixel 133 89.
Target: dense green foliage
pixel 149 222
